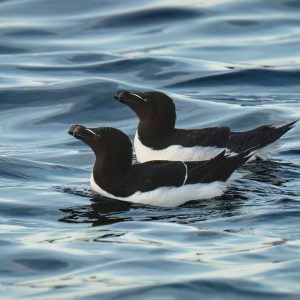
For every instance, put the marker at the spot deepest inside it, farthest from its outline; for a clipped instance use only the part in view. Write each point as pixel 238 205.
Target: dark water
pixel 228 62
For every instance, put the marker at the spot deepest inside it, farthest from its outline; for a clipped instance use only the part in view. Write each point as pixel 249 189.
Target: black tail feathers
pixel 257 138
pixel 219 168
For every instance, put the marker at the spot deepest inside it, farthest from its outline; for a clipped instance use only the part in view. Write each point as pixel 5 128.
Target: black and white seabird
pixel 161 183
pixel 157 138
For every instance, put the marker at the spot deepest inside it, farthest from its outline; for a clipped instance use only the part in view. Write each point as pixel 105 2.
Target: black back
pixel 206 137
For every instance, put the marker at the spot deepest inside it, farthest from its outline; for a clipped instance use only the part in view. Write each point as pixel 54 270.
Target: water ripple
pixel 225 62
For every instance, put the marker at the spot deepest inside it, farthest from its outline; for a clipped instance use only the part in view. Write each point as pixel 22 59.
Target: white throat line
pixel 186 173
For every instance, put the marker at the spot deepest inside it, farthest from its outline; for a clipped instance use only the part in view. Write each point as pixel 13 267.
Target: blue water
pixel 229 62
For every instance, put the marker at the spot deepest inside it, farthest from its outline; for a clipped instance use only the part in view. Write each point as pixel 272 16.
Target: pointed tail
pixel 219 168
pixel 258 137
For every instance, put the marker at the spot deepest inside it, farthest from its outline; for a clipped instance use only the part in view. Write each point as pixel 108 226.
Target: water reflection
pixel 224 62
pixel 103 211
pixel 272 172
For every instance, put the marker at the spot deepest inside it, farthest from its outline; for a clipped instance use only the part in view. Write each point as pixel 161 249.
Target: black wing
pixel 257 138
pixel 217 169
pixel 152 175
pixel 213 136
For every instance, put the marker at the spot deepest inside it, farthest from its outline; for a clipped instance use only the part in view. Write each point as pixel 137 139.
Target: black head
pixel 150 106
pixel 106 142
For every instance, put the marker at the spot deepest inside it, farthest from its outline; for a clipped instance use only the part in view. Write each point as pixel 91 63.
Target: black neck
pixel 158 129
pixel 110 168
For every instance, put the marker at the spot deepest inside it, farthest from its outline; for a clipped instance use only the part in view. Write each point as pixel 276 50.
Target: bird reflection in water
pixel 271 172
pixel 104 211
pixel 101 211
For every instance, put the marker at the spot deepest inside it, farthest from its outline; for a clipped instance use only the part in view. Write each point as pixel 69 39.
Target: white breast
pixel 169 196
pixel 176 152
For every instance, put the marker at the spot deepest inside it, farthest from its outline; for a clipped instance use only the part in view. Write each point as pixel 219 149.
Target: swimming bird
pixel 157 138
pixel 161 183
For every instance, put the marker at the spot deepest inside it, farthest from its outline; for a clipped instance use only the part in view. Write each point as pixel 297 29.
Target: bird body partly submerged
pixel 168 196
pixel 162 183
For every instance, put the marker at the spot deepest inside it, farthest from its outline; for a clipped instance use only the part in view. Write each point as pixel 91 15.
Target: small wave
pixel 195 289
pixel 75 190
pixel 30 33
pixel 151 16
pixel 248 77
pixel 19 169
pixel 231 63
pixel 7 49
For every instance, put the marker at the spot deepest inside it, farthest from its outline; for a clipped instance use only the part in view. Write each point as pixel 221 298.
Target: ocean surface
pixel 225 62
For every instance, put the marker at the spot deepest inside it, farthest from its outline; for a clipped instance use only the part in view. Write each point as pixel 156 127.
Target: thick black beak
pixel 76 129
pixel 122 95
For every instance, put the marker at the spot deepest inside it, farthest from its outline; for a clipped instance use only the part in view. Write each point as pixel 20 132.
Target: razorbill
pixel 161 183
pixel 157 138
